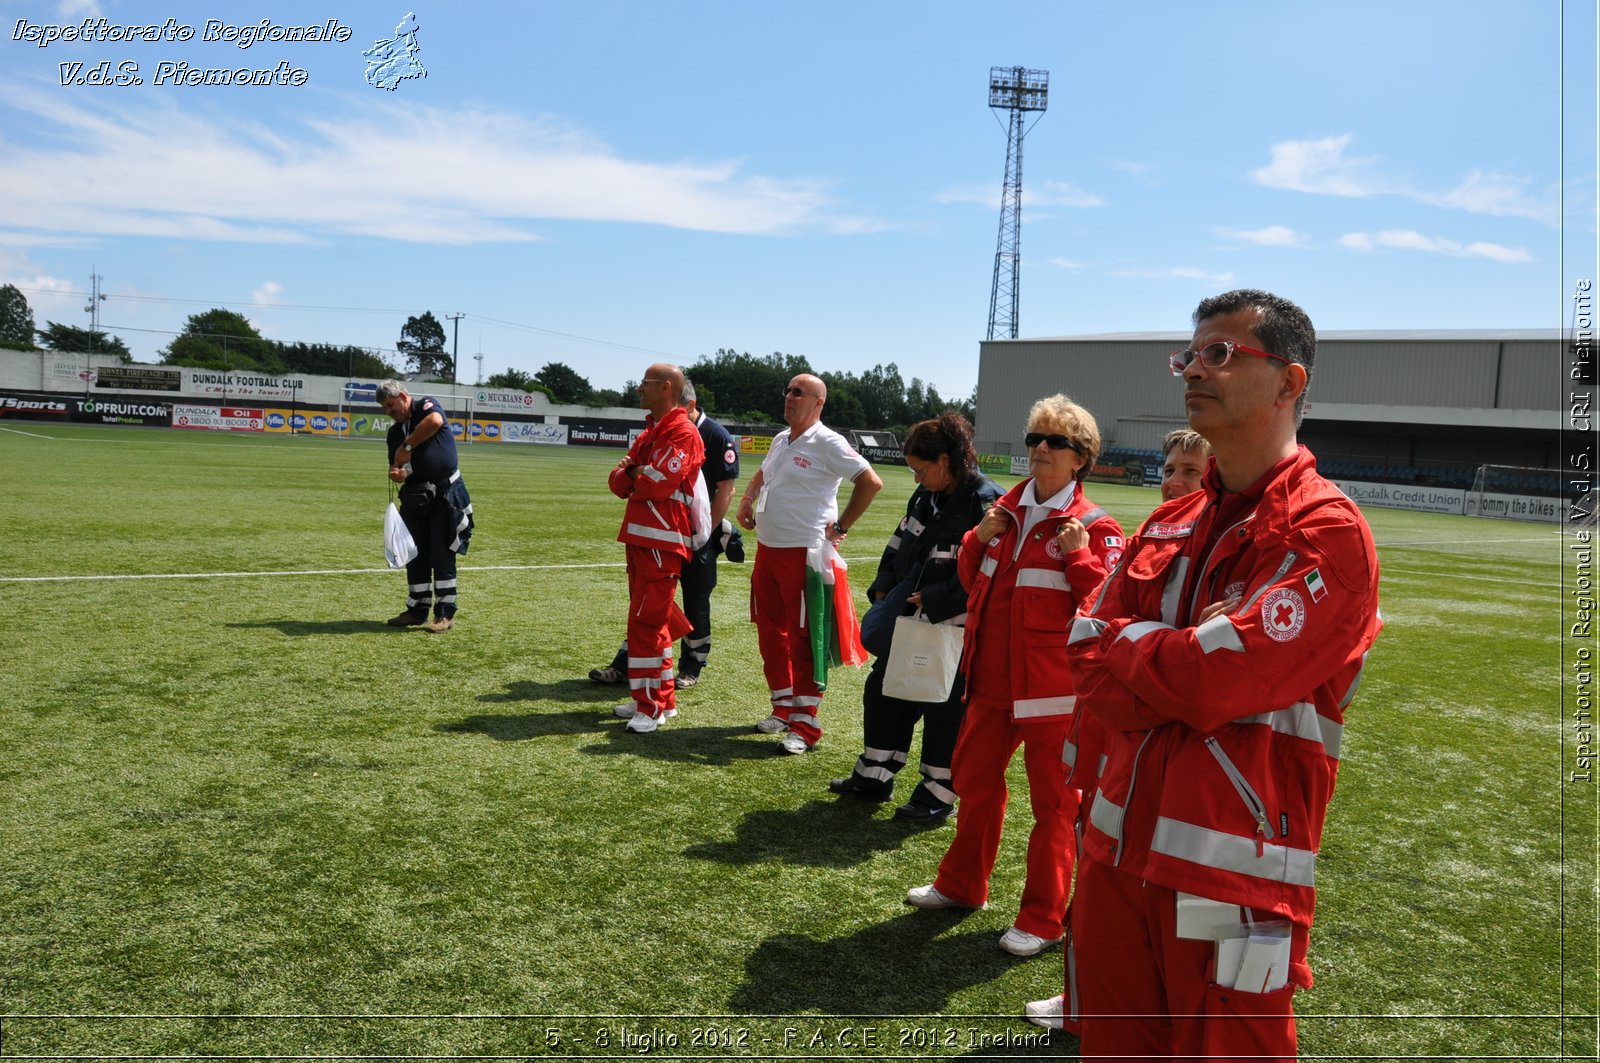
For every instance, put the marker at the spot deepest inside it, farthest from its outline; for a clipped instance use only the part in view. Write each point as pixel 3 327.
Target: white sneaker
pixel 627 709
pixel 1021 943
pixel 930 899
pixel 642 724
pixel 772 725
pixel 1048 1012
pixel 793 743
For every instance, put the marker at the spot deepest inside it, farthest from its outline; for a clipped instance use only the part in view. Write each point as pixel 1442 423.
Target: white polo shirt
pixel 800 485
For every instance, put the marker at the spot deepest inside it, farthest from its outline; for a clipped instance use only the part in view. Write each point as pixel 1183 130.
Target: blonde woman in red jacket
pixel 1041 549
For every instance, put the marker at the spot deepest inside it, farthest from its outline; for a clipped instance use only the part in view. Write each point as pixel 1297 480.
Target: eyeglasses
pixel 1054 442
pixel 648 380
pixel 794 393
pixel 1215 355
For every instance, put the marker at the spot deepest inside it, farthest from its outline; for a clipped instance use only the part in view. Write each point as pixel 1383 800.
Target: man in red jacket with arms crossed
pixel 1219 658
pixel 657 478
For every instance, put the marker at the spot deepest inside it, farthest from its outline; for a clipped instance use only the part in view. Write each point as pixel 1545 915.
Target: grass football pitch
pixel 242 817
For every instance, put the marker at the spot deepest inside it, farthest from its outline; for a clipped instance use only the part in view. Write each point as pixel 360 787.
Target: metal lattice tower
pixel 1016 91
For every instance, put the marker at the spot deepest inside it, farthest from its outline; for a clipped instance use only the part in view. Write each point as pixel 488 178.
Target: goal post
pixel 1518 492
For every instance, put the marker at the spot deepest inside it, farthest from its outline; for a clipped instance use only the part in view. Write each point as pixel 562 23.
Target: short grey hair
pixel 390 389
pixel 688 395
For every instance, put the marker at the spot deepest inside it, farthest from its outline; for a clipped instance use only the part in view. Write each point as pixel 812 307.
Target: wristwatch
pixel 840 528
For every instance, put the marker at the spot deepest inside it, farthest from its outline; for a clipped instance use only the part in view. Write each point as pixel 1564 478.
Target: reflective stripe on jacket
pixel 1222 739
pixel 665 457
pixel 1048 589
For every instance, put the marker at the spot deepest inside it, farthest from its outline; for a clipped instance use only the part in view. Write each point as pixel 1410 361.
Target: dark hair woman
pixel 951 498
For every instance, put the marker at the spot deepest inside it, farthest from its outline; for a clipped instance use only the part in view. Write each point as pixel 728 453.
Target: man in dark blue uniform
pixel 433 503
pixel 699 577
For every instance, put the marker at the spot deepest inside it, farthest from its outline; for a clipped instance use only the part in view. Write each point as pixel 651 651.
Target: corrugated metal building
pixel 1391 398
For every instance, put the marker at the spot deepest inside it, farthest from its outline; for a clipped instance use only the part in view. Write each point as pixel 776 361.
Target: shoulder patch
pixel 1164 530
pixel 1283 614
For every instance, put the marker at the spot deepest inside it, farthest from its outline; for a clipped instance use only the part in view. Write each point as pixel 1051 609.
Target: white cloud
pixel 1270 236
pixel 1186 273
pixel 1142 170
pixel 1411 240
pixel 195 175
pixel 77 10
pixel 269 293
pixel 1318 167
pixel 1040 194
pixel 1500 194
pixel 1067 263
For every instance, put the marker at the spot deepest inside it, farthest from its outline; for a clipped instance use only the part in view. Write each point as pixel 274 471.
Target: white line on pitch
pixel 312 572
pixel 30 435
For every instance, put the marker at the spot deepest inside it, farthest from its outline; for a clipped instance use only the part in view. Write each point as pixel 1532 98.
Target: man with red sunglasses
pixel 1218 659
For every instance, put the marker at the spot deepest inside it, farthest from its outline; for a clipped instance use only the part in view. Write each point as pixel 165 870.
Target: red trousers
pixel 654 623
pixel 1145 993
pixel 988 739
pixel 778 608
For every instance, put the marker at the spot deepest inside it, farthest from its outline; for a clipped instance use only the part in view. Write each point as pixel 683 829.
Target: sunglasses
pixel 1054 442
pixel 1216 355
pixel 794 392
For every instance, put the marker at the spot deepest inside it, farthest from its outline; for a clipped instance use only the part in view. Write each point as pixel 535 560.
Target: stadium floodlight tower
pixel 1017 91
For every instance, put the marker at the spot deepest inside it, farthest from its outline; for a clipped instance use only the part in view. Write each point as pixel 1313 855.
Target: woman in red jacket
pixel 1023 589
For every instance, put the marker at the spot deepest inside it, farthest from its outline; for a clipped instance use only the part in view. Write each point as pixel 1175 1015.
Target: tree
pixel 327 359
pixel 421 343
pixel 746 387
pixel 222 339
pixel 16 319
pixel 58 337
pixel 844 408
pixel 517 380
pixel 564 383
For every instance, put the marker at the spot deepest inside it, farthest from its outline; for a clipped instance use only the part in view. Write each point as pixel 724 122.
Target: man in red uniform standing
pixel 657 478
pixel 1219 658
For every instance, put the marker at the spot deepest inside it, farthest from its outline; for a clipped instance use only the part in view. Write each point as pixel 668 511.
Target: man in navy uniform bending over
pixel 433 503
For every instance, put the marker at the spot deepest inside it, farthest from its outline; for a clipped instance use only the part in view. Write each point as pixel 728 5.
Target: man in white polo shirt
pixel 792 504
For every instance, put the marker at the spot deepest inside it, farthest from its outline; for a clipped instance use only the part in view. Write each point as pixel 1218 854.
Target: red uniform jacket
pixel 1048 588
pixel 666 458
pixel 1222 740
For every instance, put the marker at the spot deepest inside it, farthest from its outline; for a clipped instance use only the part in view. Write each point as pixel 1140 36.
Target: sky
pixel 616 182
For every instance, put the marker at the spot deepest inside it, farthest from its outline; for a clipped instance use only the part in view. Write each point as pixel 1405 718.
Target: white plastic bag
pixel 398 545
pixel 700 514
pixel 923 660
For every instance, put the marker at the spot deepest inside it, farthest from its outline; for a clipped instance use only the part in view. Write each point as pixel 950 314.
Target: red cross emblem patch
pixel 1283 614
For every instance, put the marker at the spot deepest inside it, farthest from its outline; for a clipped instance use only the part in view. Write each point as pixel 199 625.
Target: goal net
pixel 1521 492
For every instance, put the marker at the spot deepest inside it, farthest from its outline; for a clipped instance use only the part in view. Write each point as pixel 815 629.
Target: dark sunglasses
pixel 795 392
pixel 1054 442
pixel 1216 355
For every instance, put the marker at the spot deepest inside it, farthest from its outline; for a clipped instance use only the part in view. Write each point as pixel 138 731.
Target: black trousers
pixel 887 727
pixel 431 575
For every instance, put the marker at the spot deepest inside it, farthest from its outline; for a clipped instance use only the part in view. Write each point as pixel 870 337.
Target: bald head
pixel 802 402
pixel 661 389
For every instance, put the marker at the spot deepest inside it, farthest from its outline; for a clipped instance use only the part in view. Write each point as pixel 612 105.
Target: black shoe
pixel 923 813
pixel 848 787
pixel 409 618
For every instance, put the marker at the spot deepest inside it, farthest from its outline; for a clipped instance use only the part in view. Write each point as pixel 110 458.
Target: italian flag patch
pixel 1315 586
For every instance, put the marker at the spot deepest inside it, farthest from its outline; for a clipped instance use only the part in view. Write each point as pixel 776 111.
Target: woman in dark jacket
pixel 952 496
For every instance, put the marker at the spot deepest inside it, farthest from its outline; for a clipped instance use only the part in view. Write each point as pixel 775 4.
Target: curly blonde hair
pixel 1060 414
